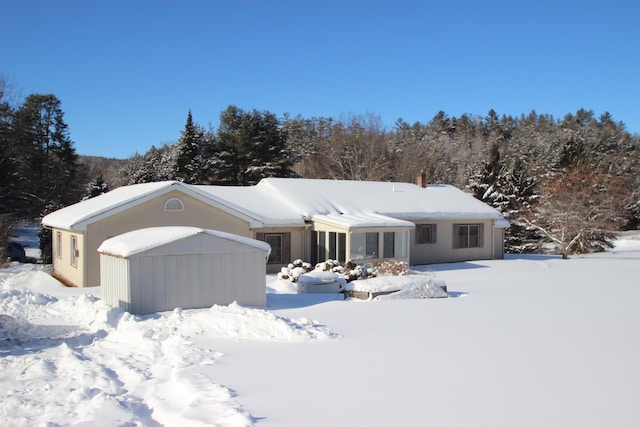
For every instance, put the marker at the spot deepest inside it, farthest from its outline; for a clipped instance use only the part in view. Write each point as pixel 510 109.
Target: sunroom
pixel 366 238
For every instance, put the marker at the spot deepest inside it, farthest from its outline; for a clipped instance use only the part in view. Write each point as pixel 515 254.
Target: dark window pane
pixel 389 244
pixel 275 241
pixel 372 245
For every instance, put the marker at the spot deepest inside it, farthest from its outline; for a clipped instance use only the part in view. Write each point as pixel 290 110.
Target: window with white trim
pixel 75 253
pixel 58 245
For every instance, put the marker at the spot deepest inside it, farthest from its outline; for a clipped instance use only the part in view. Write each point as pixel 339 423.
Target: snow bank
pixel 77 360
pixel 532 332
pixel 403 287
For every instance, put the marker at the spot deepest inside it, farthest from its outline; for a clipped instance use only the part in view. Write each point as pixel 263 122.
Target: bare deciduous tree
pixel 579 209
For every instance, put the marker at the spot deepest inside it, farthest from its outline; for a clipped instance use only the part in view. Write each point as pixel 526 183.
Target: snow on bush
pixel 405 286
pixel 392 267
pixel 350 271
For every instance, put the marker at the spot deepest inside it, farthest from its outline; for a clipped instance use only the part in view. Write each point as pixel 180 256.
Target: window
pixel 280 246
pixel 58 245
pixel 322 245
pixel 389 244
pixel 275 241
pixel 74 251
pixel 401 244
pixel 468 236
pixel 174 204
pixel 342 247
pixel 372 245
pixel 425 233
pixel 358 242
pixel 394 244
pixel 332 245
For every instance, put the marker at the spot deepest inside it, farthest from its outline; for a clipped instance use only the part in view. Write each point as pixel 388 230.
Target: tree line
pixel 566 182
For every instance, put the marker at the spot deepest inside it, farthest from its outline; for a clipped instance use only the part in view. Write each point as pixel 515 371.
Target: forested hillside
pixel 567 183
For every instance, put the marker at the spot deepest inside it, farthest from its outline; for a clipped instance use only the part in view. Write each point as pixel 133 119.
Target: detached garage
pixel 161 268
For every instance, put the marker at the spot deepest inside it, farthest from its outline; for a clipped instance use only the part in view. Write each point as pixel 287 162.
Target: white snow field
pixel 525 341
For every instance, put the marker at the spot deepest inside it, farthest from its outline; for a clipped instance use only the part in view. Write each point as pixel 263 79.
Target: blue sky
pixel 128 72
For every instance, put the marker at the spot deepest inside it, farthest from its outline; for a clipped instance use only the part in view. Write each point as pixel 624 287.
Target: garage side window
pixel 74 251
pixel 58 245
pixel 174 205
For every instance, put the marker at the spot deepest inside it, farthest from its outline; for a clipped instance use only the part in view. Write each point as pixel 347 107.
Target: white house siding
pixel 160 283
pixel 193 272
pixel 115 272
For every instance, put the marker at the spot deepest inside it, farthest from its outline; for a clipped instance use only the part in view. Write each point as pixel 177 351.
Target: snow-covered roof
pixel 397 200
pixel 145 239
pixel 361 220
pixel 81 214
pixel 289 202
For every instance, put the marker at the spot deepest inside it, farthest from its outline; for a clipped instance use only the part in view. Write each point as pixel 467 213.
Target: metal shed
pixel 161 268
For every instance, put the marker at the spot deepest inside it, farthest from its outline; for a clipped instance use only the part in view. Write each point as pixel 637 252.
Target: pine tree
pixel 251 146
pixel 512 192
pixel 488 185
pixel 96 187
pixel 47 169
pixel 45 237
pixel 188 153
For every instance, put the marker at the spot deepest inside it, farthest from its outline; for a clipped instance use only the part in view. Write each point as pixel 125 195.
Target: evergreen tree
pixel 489 184
pixel 96 187
pixel 188 155
pixel 251 146
pixel 7 154
pixel 45 236
pixel 47 169
pixel 512 192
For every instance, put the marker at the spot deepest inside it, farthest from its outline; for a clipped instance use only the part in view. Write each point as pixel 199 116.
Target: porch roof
pixel 362 220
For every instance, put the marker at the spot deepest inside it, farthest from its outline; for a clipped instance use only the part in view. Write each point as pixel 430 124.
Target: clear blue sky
pixel 127 72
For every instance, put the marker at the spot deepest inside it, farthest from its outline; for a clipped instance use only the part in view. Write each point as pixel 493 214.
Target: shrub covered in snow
pixel 349 271
pixel 392 267
pixel 294 270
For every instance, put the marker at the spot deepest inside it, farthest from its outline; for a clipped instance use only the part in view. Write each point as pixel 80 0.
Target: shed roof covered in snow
pixel 290 202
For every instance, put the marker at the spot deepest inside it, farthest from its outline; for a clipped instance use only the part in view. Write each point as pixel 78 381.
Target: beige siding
pixel 443 249
pixel 299 248
pixel 152 214
pixel 62 267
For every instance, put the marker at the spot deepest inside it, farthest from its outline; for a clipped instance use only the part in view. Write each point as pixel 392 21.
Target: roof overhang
pixel 361 220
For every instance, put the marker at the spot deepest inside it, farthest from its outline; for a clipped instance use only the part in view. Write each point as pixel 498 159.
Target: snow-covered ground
pixel 527 341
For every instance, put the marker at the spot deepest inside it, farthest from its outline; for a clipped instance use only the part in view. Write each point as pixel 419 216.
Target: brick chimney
pixel 421 179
